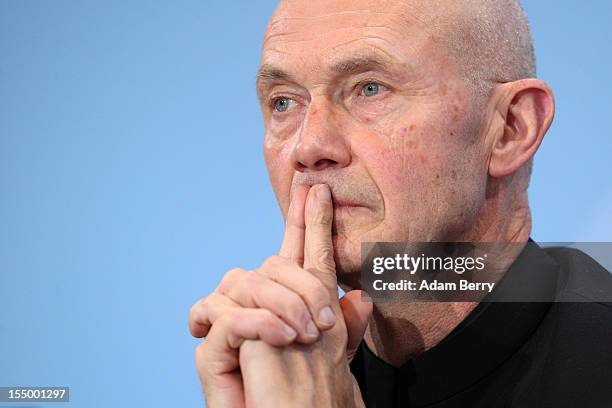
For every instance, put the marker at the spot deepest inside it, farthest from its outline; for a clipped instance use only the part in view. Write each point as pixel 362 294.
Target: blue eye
pixel 283 104
pixel 371 89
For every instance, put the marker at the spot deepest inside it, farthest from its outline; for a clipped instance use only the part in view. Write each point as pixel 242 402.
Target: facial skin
pixel 363 96
pixel 376 110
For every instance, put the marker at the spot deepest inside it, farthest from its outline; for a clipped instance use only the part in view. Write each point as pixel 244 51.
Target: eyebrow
pixel 345 67
pixel 271 73
pixel 359 64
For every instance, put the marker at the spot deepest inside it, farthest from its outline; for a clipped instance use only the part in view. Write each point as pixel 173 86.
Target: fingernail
pixel 323 193
pixel 311 329
pixel 327 316
pixel 289 332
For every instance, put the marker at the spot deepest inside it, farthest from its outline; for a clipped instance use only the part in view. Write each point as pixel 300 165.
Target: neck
pixel 399 331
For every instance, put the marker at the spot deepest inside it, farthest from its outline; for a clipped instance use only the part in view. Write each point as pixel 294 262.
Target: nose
pixel 321 145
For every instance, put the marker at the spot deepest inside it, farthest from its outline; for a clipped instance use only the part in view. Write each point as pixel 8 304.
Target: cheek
pixel 399 165
pixel 413 165
pixel 396 160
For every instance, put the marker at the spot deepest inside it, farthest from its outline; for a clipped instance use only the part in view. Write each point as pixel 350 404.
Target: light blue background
pixel 131 178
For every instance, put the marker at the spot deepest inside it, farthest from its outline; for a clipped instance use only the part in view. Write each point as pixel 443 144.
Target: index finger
pixel 292 247
pixel 318 245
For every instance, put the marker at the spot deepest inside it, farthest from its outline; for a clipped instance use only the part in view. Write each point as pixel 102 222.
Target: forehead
pixel 307 35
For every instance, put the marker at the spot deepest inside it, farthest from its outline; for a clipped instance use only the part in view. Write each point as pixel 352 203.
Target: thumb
pixel 357 311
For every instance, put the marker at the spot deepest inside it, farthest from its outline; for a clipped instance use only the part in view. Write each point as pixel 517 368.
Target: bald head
pixel 491 41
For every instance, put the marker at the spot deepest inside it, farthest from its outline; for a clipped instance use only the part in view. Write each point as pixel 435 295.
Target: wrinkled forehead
pixel 313 33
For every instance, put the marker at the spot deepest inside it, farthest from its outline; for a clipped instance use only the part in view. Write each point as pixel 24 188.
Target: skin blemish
pixel 443 89
pixel 455 114
pixel 412 127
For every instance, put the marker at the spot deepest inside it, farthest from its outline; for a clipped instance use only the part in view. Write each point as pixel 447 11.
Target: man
pixel 396 121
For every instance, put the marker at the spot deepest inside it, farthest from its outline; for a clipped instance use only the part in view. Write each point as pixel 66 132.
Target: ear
pixel 527 108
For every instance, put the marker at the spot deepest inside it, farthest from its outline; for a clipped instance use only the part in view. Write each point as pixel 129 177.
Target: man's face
pixel 362 95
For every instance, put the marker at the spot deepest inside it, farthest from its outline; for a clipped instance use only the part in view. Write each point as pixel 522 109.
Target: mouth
pixel 341 204
pixel 351 214
pixel 348 215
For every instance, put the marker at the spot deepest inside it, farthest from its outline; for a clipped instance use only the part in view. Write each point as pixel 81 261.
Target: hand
pixel 276 303
pixel 317 374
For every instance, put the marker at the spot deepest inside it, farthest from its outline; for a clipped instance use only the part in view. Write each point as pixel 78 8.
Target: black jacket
pixel 556 353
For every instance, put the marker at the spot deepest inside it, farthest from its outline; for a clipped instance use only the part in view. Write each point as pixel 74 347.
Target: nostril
pixel 304 166
pixel 324 163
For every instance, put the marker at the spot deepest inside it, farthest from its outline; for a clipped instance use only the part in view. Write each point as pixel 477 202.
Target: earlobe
pixel 529 112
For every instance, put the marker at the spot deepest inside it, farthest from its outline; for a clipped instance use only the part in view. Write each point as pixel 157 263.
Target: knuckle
pixel 232 316
pixel 198 309
pixel 268 272
pixel 268 319
pixel 213 305
pixel 225 325
pixel 199 319
pixel 293 305
pixel 194 312
pixel 203 306
pixel 234 273
pixel 272 267
pixel 272 262
pixel 227 319
pixel 316 294
pixel 193 328
pixel 322 218
pixel 324 258
pixel 230 278
pixel 252 280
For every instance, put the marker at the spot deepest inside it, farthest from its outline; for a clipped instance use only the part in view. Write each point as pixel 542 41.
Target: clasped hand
pixel 278 336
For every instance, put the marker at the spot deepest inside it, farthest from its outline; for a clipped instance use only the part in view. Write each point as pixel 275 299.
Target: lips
pixel 347 204
pixel 348 214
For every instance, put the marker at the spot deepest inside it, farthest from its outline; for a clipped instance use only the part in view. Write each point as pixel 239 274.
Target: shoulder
pixel 583 279
pixel 573 344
